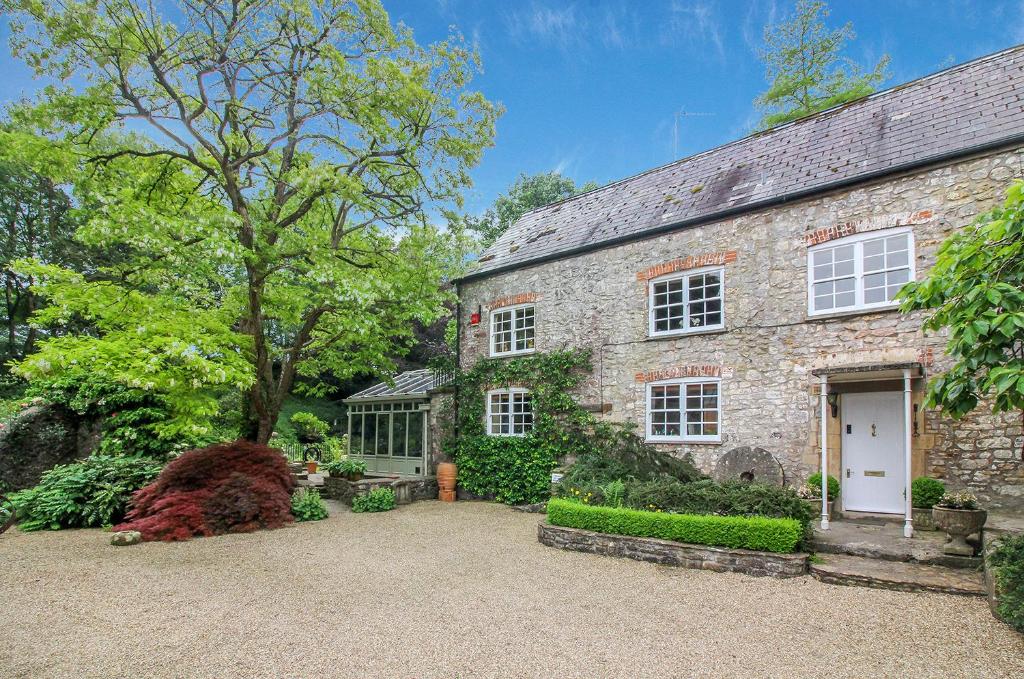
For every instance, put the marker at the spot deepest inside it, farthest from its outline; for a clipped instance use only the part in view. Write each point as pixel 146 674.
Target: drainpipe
pixel 908 527
pixel 824 452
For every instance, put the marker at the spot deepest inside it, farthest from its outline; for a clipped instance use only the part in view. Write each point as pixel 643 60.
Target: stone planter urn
pixel 958 524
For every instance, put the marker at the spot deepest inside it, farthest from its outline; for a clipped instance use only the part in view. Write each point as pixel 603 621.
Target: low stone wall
pixel 719 559
pixel 406 489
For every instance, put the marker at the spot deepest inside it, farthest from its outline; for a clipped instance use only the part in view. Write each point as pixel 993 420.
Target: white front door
pixel 873 463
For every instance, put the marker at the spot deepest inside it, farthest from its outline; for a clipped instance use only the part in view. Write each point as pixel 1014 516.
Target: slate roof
pixel 407 384
pixel 963 109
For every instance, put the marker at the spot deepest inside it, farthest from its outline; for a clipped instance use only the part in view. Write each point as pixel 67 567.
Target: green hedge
pixel 511 469
pixel 760 533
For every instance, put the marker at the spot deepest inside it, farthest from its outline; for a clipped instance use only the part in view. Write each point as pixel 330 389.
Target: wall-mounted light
pixel 474 318
pixel 833 402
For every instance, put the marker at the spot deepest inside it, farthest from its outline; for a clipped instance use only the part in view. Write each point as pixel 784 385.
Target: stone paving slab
pixel 885 541
pixel 842 569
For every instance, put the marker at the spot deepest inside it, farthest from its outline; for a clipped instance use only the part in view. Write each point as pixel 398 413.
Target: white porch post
pixel 824 452
pixel 908 428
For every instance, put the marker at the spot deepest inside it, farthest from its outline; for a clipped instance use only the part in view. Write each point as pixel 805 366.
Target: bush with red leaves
pixel 227 488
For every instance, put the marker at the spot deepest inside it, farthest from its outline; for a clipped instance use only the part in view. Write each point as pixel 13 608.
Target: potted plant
pixel 349 469
pixel 924 493
pixel 311 466
pixel 811 493
pixel 959 515
pixel 308 428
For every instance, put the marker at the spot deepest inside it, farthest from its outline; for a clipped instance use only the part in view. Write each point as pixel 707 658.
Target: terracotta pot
pixel 447 473
pixel 354 476
pixel 446 496
pixel 311 467
pixel 958 524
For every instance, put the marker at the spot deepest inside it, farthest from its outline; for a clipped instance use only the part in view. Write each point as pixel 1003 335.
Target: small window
pixel 687 303
pixel 684 410
pixel 860 272
pixel 512 330
pixel 509 412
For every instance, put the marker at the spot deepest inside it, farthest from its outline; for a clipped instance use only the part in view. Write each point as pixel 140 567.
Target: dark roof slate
pixel 968 106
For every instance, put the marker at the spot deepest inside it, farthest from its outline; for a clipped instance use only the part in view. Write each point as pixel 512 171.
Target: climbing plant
pixel 516 469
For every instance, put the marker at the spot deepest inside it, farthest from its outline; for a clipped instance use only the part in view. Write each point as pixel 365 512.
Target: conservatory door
pixel 389 437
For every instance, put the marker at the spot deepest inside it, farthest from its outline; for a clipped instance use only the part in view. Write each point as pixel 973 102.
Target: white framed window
pixel 509 412
pixel 684 410
pixel 512 330
pixel 687 302
pixel 859 272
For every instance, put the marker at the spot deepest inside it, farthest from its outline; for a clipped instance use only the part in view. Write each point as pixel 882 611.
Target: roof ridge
pixel 772 130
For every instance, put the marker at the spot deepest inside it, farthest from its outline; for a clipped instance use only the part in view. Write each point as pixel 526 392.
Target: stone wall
pixel 719 559
pixel 39 438
pixel 769 345
pixel 406 489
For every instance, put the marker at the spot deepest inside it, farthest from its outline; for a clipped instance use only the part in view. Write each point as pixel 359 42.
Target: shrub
pixel 511 469
pixel 327 451
pixel 760 533
pixel 93 492
pixel 1007 562
pixel 613 493
pixel 309 427
pixel 709 497
pixel 377 500
pixel 926 491
pixel 345 467
pixel 814 481
pixel 226 488
pixel 307 505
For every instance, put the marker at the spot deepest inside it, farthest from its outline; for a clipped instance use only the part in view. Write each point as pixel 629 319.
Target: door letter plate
pixel 874 472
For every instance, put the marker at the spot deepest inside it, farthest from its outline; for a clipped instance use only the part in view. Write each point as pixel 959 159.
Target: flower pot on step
pixel 958 524
pixel 311 467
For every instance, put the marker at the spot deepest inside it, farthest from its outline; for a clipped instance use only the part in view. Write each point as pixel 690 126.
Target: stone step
pixel 841 569
pixel 886 542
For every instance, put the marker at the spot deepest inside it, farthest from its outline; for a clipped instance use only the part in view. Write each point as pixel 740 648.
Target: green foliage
pixel 517 469
pixel 975 292
pixel 134 422
pixel 806 71
pixel 307 505
pixel 377 500
pixel 345 467
pixel 1007 562
pixel 329 450
pixel 271 210
pixel 814 482
pixel 93 492
pixel 326 409
pixel 959 500
pixel 709 497
pixel 308 427
pixel 511 469
pixel 764 534
pixel 614 493
pixel 926 491
pixel 528 192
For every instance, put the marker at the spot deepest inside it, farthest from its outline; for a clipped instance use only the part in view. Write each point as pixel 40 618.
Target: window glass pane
pixel 383 432
pixel 844 268
pixel 355 434
pixel 416 446
pixel 398 429
pixel 369 434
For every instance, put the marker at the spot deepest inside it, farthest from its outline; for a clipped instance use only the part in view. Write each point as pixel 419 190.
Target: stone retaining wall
pixel 719 559
pixel 406 490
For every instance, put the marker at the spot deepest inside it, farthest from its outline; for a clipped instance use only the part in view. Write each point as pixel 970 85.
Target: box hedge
pixel 759 533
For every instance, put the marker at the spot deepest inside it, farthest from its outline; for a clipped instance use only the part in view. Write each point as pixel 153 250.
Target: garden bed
pixel 406 489
pixel 670 553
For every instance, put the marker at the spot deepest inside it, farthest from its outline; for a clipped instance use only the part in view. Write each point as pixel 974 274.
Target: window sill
pixel 513 354
pixel 689 442
pixel 832 315
pixel 688 333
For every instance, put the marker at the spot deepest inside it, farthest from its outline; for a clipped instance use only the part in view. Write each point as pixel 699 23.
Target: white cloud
pixel 554 26
pixel 695 24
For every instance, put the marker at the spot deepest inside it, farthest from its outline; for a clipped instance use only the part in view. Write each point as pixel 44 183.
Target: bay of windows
pixel 687 303
pixel 512 330
pixel 684 410
pixel 859 272
pixel 509 412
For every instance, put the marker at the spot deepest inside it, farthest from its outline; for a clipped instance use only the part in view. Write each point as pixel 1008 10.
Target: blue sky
pixel 591 86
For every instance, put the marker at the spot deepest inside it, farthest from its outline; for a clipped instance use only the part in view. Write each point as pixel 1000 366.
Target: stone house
pixel 742 297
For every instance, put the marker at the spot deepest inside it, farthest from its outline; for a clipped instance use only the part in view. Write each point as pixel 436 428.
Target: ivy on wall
pixel 517 469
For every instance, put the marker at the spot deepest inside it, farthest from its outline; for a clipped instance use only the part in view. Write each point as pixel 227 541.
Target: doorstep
pixel 885 541
pixel 842 569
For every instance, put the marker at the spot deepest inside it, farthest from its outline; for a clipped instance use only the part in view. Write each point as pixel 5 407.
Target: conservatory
pixel 388 425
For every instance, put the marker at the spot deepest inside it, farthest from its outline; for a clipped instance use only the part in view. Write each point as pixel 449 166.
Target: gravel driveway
pixel 463 590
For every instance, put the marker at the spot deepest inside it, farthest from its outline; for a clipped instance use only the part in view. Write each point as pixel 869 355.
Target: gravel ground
pixel 463 590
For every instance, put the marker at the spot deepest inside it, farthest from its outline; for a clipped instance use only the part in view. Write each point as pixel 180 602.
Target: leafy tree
pixel 35 218
pixel 975 292
pixel 528 192
pixel 806 70
pixel 274 215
